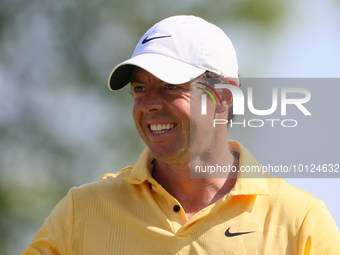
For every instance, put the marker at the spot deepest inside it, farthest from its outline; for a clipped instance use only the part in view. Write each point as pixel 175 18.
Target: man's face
pixel 161 113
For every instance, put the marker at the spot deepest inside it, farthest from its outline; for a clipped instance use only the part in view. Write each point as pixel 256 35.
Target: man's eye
pixel 172 86
pixel 138 89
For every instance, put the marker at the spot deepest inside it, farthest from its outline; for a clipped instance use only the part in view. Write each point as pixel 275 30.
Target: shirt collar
pixel 141 171
pixel 246 184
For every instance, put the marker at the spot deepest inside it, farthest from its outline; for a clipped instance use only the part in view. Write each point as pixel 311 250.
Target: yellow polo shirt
pixel 130 213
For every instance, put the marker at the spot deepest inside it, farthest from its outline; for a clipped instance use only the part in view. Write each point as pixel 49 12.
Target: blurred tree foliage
pixel 59 124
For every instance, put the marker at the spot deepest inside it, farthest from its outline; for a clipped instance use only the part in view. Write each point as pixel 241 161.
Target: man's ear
pixel 227 101
pixel 227 96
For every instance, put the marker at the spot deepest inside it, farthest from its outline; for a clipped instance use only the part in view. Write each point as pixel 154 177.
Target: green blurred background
pixel 60 126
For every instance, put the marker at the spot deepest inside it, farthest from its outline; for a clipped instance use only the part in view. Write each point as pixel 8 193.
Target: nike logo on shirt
pixel 228 234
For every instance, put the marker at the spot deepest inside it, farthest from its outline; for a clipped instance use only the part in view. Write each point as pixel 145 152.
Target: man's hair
pixel 213 79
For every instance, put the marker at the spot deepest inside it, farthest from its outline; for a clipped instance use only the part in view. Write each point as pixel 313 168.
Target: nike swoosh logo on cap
pixel 228 234
pixel 146 39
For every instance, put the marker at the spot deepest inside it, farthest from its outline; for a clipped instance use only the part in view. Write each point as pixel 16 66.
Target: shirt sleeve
pixel 319 232
pixel 55 236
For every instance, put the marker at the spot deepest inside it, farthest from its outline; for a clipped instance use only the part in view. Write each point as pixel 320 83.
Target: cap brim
pixel 167 69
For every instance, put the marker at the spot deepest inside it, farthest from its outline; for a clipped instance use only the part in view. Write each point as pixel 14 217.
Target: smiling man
pixel 155 207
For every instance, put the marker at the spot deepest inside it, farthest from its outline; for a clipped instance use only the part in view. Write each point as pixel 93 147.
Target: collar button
pixel 177 208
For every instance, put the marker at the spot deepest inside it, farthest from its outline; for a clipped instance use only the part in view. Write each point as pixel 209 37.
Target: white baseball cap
pixel 178 49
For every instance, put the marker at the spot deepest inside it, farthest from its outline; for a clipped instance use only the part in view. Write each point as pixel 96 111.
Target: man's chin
pixel 169 156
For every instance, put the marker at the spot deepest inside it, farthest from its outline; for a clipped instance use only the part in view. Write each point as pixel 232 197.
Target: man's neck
pixel 194 194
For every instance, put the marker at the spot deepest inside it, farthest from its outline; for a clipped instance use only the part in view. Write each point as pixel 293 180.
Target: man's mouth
pixel 161 128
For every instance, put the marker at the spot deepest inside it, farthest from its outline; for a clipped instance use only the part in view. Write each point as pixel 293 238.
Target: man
pixel 155 207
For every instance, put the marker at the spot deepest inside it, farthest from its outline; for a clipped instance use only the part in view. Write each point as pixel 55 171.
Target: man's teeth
pixel 159 129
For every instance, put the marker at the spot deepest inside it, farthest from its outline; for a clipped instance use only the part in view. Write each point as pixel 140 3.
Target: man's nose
pixel 151 102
